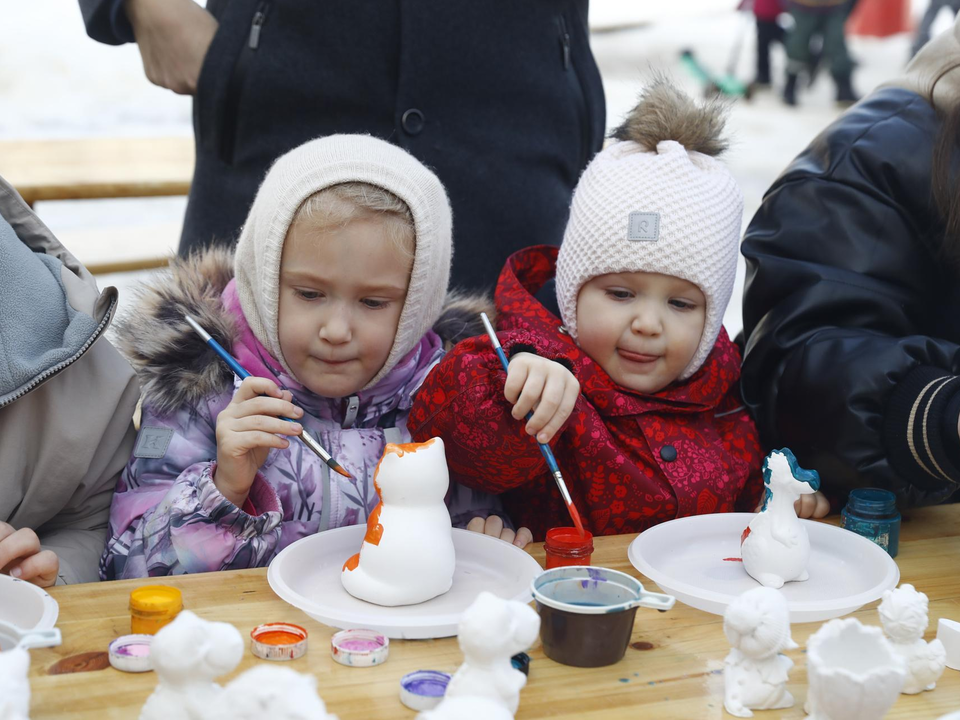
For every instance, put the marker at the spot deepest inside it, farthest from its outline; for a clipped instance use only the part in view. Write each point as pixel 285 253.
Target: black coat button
pixel 412 121
pixel 668 453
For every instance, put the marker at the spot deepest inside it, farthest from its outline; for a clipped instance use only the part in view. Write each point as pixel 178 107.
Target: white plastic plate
pixel 685 557
pixel 25 606
pixel 307 575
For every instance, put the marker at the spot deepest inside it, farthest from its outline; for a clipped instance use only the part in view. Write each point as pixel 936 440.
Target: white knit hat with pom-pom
pixel 315 166
pixel 656 200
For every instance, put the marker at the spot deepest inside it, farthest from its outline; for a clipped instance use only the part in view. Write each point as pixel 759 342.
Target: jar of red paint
pixel 566 546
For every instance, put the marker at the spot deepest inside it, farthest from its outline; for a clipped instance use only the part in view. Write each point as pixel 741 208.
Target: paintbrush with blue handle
pixel 544 448
pixel 242 373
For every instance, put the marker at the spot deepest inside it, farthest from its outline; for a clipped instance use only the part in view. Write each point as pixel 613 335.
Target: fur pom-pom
pixel 664 112
pixel 460 318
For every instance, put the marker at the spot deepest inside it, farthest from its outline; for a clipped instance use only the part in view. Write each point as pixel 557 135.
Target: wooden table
pixel 675 671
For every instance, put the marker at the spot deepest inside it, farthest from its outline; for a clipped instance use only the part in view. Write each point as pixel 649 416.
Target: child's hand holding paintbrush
pixel 247 429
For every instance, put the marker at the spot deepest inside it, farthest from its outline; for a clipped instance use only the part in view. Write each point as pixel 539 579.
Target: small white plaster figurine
pixel 948 632
pixel 14 686
pixel 775 547
pixel 269 691
pixel 492 630
pixel 903 613
pixel 757 625
pixel 854 672
pixel 187 655
pixel 407 554
pixel 467 707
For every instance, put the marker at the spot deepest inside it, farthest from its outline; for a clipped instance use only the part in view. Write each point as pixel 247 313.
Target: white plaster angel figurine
pixel 188 654
pixel 269 691
pixel 14 685
pixel 903 614
pixel 757 625
pixel 492 630
pixel 407 554
pixel 775 547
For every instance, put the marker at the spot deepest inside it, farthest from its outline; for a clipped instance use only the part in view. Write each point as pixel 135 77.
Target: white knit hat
pixel 319 164
pixel 656 201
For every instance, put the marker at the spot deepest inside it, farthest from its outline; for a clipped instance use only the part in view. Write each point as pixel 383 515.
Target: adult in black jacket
pixel 502 98
pixel 852 302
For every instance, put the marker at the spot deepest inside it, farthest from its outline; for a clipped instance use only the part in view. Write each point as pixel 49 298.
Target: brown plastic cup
pixel 587 613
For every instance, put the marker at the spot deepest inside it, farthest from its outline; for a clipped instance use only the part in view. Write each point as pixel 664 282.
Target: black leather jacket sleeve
pixel 851 350
pixel 106 21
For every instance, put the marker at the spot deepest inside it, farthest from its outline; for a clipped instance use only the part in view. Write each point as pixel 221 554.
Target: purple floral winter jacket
pixel 168 517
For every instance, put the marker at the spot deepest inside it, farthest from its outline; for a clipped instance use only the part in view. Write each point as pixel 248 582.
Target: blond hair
pixel 338 205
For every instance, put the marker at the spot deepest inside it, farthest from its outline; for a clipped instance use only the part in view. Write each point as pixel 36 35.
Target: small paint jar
pixel 566 546
pixel 359 647
pixel 131 653
pixel 423 689
pixel 872 513
pixel 152 607
pixel 278 641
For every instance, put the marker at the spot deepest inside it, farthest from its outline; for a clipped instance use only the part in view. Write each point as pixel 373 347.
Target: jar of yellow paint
pixel 152 607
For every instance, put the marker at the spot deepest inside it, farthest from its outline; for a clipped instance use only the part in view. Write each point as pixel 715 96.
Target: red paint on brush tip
pixel 341 471
pixel 576 519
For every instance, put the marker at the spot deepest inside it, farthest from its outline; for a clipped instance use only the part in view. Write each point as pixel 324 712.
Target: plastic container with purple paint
pixel 586 613
pixel 423 689
pixel 359 647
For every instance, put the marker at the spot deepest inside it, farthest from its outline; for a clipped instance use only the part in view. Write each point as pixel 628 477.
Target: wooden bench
pixel 93 168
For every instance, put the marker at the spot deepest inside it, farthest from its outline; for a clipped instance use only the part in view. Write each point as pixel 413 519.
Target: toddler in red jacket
pixel 636 386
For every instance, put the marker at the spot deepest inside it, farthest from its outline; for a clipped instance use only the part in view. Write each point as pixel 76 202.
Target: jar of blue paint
pixel 872 513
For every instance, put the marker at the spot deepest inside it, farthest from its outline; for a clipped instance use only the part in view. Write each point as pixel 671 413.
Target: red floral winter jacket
pixel 630 460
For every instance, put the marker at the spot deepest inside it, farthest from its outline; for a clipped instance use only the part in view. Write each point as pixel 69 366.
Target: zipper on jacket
pixel 564 43
pixel 582 111
pixel 231 100
pixel 259 17
pixel 50 372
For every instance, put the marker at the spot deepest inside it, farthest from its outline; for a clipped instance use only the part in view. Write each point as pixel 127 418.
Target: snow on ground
pixel 55 83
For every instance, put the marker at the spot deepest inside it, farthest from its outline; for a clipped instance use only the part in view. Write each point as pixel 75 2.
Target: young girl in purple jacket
pixel 339 276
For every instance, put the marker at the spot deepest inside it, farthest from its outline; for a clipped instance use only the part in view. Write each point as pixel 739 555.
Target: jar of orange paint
pixel 566 546
pixel 152 607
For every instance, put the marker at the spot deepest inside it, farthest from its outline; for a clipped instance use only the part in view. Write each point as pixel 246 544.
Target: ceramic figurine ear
pixel 270 691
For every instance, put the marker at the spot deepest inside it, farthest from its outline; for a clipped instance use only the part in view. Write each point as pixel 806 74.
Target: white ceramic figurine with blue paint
pixel 775 547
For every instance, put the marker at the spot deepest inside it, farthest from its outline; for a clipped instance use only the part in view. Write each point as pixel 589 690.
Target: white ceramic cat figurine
pixel 187 655
pixel 269 691
pixel 757 625
pixel 853 671
pixel 14 686
pixel 775 547
pixel 407 554
pixel 492 630
pixel 903 613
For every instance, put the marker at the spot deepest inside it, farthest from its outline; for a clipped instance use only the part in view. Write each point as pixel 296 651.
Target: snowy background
pixel 57 83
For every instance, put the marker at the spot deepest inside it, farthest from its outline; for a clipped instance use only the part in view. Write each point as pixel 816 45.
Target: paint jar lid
pixel 423 689
pixel 359 647
pixel 159 599
pixel 278 641
pixel 131 653
pixel 521 662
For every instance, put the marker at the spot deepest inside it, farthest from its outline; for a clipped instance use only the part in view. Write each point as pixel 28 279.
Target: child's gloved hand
pixel 493 525
pixel 246 430
pixel 543 386
pixel 21 557
pixel 812 506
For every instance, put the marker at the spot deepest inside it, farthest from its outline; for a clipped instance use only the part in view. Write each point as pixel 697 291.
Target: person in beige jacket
pixel 67 399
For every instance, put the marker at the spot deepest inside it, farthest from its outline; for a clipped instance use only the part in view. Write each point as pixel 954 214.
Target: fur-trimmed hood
pixel 175 365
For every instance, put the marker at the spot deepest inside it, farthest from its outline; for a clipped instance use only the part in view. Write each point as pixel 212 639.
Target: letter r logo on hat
pixel 643 227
